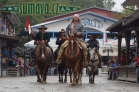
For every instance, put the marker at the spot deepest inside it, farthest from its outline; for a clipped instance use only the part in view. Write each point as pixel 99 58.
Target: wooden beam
pixel 127 37
pixel 119 48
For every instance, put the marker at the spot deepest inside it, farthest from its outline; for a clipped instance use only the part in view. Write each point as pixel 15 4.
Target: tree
pixel 109 4
pixel 82 3
pixel 128 11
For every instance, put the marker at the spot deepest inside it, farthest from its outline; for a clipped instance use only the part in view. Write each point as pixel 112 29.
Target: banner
pixel 38 8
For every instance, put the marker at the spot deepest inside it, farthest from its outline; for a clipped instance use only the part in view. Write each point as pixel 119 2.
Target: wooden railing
pixel 127 73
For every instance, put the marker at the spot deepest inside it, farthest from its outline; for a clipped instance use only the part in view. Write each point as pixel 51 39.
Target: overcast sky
pixel 118 6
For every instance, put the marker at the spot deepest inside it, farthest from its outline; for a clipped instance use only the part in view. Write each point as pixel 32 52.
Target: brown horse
pixel 74 56
pixel 42 62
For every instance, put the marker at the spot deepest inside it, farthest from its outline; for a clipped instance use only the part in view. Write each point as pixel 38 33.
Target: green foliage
pixel 128 11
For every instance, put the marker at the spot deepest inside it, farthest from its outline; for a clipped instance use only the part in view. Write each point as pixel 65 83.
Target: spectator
pixel 123 58
pixel 10 32
pixel 137 65
pixel 0 24
pixel 133 61
pixel 113 69
pixel 4 51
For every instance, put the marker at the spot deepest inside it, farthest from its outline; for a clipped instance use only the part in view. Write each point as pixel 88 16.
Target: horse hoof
pixel 61 81
pixel 72 84
pixel 43 82
pixel 92 82
pixel 79 84
pixel 65 81
pixel 38 80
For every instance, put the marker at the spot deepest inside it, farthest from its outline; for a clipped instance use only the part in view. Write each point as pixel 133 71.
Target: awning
pixel 9 37
pixel 23 33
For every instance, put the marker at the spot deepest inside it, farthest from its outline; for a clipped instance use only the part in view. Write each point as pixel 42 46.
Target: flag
pixel 106 38
pixel 28 27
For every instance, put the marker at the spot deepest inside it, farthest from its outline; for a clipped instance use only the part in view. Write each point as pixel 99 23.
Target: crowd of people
pixel 17 61
pixel 6 26
pixel 113 64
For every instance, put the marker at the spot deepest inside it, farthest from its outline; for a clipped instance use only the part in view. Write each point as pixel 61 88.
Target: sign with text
pixel 66 8
pixel 92 23
pixel 38 8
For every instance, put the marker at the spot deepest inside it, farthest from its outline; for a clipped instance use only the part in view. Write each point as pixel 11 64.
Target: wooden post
pixel 127 38
pixel 119 47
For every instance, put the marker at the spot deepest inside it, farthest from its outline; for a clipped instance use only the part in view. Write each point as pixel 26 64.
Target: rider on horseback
pixel 42 37
pixel 74 27
pixel 60 41
pixel 93 43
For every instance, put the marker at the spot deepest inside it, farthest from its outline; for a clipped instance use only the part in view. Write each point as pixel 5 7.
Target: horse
pixel 62 68
pixel 73 55
pixel 93 68
pixel 42 62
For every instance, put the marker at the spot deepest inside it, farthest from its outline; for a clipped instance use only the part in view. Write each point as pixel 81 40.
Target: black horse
pixel 62 68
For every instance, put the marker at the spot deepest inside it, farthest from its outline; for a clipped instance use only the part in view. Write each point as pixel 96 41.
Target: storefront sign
pixel 38 8
pixel 92 23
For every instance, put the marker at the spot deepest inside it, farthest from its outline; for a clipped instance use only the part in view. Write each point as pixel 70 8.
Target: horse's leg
pixel 46 72
pixel 65 68
pixel 70 73
pixel 93 77
pixel 37 73
pixel 75 73
pixel 59 72
pixel 62 71
pixel 80 68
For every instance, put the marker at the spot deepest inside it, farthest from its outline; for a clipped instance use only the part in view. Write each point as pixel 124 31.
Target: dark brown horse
pixel 74 56
pixel 62 68
pixel 42 62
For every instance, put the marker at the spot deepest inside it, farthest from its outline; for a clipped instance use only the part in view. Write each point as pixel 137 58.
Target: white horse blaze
pixel 43 55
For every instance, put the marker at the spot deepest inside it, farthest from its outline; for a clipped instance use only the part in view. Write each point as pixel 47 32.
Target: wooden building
pixel 126 27
pixel 9 21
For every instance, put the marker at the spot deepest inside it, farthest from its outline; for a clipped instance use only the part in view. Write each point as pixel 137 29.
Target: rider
pixel 74 27
pixel 60 41
pixel 43 37
pixel 93 43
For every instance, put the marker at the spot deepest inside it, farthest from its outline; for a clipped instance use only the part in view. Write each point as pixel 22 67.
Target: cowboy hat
pixel 62 31
pixel 42 27
pixel 92 35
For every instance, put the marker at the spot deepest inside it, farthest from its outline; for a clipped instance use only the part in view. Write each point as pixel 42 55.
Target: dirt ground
pixel 29 84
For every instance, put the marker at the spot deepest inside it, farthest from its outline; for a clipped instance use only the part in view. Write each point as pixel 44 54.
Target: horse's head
pixel 72 44
pixel 41 51
pixel 92 54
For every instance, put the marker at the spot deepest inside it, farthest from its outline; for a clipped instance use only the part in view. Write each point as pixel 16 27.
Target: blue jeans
pixel 113 72
pixel 32 71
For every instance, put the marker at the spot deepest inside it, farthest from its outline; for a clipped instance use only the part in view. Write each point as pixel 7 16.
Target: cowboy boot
pixel 99 65
pixel 85 63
